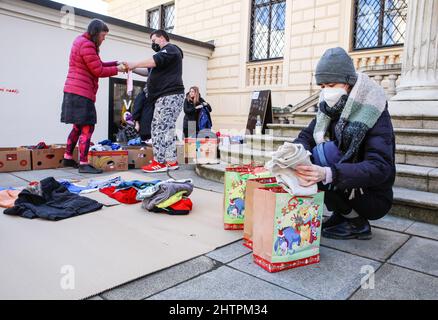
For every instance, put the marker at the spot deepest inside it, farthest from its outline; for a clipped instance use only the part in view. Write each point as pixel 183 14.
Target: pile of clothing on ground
pixel 57 200
pixel 170 196
pixel 50 200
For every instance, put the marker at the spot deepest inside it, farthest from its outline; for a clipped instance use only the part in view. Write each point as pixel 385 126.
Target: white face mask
pixel 332 95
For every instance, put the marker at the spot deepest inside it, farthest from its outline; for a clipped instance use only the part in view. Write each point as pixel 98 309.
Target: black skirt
pixel 78 110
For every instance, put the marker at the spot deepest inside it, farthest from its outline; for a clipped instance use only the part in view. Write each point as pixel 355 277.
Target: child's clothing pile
pixel 169 197
pixel 106 145
pixel 126 191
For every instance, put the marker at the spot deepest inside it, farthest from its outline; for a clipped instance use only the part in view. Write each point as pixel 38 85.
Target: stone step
pixel 415 177
pixel 405 154
pixel 412 122
pixel 416 137
pixel 408 203
pixel 417 155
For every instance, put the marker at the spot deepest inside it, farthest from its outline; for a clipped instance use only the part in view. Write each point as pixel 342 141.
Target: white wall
pixel 34 59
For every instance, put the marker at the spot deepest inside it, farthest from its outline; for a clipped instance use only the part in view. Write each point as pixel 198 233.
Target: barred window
pixel 169 18
pixel 379 23
pixel 154 19
pixel 162 17
pixel 267 29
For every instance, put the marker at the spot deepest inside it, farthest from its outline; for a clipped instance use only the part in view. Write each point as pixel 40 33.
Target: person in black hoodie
pixel 165 89
pixel 192 106
pixel 143 110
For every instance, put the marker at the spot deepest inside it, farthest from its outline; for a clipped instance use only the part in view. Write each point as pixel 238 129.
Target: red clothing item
pixel 184 204
pixel 127 196
pixel 86 68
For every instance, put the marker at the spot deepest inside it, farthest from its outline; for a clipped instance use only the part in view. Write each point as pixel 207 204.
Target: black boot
pixel 86 168
pixel 332 221
pixel 356 228
pixel 69 163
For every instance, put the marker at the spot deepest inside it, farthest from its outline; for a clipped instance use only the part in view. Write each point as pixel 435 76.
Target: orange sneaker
pixel 172 166
pixel 155 166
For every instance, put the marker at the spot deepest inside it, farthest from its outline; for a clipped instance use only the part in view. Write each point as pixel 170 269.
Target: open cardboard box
pixel 15 159
pixel 109 160
pixel 139 156
pixel 51 158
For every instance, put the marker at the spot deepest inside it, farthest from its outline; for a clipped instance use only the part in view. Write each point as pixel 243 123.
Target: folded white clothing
pixel 284 160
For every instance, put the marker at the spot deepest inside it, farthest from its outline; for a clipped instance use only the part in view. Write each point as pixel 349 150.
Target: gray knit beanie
pixel 335 66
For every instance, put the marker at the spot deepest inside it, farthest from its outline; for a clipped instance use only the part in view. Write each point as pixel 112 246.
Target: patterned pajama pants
pixel 82 133
pixel 167 110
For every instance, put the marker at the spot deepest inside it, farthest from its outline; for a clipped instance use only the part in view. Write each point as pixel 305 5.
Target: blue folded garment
pixel 139 185
pixel 326 154
pixel 73 188
pixel 106 143
pixel 134 142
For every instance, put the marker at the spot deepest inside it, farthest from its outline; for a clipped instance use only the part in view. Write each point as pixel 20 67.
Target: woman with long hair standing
pixel 192 106
pixel 80 91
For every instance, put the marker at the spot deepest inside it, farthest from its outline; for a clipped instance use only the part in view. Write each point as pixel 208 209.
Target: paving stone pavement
pixel 403 254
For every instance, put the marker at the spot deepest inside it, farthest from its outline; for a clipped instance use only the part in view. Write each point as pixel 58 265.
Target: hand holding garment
pixel 284 160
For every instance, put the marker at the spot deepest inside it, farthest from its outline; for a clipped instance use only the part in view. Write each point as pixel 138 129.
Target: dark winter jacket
pixel 144 113
pixel 375 169
pixel 166 78
pixel 57 203
pixel 192 114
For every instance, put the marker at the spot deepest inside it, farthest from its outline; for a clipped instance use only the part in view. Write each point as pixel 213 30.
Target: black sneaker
pixel 332 221
pixel 357 228
pixel 69 163
pixel 86 168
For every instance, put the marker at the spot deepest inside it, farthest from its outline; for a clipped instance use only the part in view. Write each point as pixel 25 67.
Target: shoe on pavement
pixel 69 163
pixel 172 166
pixel 155 166
pixel 356 228
pixel 87 168
pixel 333 220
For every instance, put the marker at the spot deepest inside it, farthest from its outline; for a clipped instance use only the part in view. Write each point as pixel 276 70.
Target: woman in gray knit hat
pixel 353 148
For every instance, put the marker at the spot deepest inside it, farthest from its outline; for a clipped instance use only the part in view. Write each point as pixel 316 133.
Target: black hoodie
pixel 166 78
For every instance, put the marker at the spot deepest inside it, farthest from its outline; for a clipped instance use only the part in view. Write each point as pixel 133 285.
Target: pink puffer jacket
pixel 86 68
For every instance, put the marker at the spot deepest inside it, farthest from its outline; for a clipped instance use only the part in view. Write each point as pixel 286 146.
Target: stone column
pixel 419 79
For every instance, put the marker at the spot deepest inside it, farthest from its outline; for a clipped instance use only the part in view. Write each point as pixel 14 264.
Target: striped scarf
pixel 358 114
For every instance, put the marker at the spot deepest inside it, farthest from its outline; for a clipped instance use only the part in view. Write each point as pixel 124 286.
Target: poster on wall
pixel 119 103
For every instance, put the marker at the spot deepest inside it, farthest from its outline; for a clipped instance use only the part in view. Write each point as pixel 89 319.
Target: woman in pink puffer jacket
pixel 80 90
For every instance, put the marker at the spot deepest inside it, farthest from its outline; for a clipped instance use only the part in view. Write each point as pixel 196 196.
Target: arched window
pixel 379 23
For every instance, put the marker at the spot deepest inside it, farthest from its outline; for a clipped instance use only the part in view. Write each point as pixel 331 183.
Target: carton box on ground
pixel 15 159
pixel 109 160
pixel 140 156
pixel 51 158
